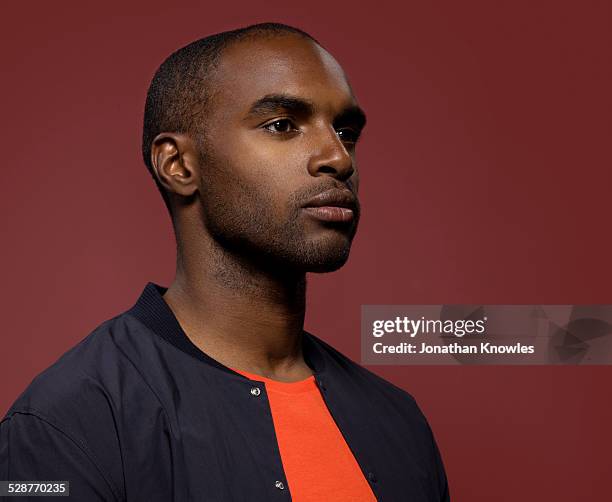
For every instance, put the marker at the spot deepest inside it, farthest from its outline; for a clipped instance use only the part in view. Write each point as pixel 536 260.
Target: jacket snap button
pixel 279 485
pixel 255 391
pixel 372 477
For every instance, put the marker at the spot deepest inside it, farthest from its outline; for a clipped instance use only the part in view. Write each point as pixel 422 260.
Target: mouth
pixel 332 206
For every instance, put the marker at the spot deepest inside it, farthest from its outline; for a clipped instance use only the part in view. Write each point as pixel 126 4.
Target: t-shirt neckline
pixel 305 385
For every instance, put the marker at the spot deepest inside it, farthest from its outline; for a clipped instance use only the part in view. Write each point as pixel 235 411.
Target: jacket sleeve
pixel 34 449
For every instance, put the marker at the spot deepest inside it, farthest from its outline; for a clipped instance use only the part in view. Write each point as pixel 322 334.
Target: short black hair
pixel 179 90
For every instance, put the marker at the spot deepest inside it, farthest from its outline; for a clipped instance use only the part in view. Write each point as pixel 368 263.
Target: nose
pixel 330 157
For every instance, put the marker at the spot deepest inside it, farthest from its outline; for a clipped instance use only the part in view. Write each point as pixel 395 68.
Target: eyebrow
pixel 275 102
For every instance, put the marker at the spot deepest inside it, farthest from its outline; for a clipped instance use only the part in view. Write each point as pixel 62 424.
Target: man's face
pixel 281 130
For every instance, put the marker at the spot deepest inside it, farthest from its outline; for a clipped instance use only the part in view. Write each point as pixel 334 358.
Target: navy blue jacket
pixel 136 412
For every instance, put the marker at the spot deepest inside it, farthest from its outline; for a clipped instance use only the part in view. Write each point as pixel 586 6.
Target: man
pixel 210 389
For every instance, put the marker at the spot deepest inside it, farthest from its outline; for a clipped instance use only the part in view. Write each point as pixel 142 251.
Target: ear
pixel 174 159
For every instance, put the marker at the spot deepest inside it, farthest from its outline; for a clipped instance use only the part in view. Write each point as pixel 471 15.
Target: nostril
pixel 327 169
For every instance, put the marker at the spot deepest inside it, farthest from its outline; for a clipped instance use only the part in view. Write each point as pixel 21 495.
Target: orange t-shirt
pixel 317 461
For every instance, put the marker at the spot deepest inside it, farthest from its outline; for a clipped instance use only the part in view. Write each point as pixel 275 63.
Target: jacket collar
pixel 153 311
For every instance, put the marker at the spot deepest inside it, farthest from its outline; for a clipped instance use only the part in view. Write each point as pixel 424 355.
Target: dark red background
pixel 485 173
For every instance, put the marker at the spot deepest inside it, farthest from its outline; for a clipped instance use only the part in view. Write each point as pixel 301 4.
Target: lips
pixel 332 205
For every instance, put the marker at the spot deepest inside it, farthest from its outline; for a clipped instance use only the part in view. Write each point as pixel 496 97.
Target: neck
pixel 244 315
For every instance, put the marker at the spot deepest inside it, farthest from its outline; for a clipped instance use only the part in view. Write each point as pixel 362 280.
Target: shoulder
pixel 85 395
pixel 67 415
pixel 80 373
pixel 105 367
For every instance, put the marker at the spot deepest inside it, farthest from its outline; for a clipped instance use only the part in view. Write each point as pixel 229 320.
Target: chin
pixel 329 261
pixel 326 267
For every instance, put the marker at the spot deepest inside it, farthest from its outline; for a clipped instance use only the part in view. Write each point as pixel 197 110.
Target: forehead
pixel 285 64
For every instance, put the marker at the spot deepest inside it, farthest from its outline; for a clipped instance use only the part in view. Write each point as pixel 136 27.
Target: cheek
pixel 260 172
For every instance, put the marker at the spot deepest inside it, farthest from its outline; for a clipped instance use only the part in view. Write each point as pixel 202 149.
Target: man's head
pixel 245 129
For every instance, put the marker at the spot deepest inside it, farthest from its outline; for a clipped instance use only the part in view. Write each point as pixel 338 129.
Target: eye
pixel 348 135
pixel 281 126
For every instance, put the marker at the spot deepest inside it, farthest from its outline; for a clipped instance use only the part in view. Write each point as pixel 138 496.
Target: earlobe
pixel 173 159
